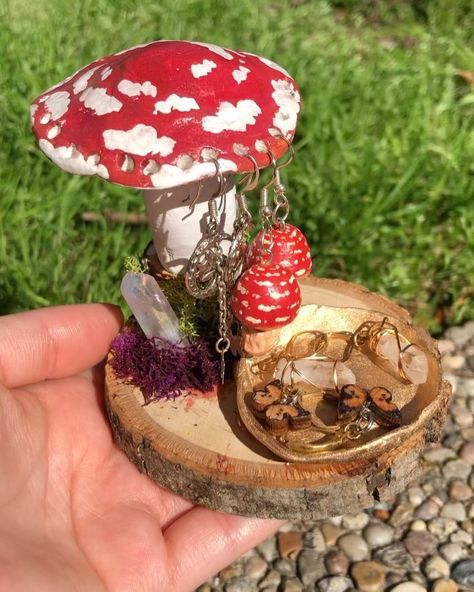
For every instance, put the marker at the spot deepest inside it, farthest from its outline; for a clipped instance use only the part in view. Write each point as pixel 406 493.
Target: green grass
pixel 383 178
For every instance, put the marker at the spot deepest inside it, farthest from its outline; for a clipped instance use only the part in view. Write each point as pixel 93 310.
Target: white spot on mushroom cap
pixel 106 72
pixel 282 319
pixel 81 83
pixel 151 167
pixel 215 49
pixel 72 161
pixel 273 65
pixel 184 161
pixel 134 89
pixel 33 110
pixel 53 132
pixel 57 104
pixel 267 308
pixel 230 117
pixel 288 100
pixel 177 103
pixel 241 74
pixel 276 295
pixel 140 140
pixel 253 320
pixel 265 283
pixel 209 153
pixel 99 101
pixel 203 69
pixel 170 175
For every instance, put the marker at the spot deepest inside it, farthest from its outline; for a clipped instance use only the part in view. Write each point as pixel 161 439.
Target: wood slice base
pixel 198 447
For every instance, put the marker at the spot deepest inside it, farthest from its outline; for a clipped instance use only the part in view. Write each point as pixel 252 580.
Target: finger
pixel 202 542
pixel 55 342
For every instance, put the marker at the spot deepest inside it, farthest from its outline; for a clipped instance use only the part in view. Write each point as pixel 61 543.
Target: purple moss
pixel 162 370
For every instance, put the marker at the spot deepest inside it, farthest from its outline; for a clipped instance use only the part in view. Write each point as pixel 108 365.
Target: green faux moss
pixel 197 318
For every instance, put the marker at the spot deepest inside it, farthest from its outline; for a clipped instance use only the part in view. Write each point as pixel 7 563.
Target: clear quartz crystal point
pixel 413 360
pixel 150 307
pixel 320 372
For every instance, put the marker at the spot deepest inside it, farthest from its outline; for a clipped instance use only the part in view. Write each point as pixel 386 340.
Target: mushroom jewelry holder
pixel 285 395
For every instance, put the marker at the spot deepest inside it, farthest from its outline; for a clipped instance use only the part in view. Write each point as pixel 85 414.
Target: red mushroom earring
pixel 267 296
pixel 288 244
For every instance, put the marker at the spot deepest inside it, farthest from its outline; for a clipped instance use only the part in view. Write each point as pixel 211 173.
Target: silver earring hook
pixel 252 178
pixel 220 176
pixel 291 150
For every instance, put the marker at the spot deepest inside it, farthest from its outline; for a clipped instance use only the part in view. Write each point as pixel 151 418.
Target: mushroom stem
pixel 177 227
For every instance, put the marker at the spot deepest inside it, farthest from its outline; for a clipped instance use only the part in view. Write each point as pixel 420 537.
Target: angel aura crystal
pixel 151 308
pixel 320 372
pixel 413 360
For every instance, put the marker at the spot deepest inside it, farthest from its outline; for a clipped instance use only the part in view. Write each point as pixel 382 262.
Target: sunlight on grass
pixel 383 178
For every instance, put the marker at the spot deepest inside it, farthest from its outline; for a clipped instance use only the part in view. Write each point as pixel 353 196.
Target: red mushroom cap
pixel 290 249
pixel 154 116
pixel 266 297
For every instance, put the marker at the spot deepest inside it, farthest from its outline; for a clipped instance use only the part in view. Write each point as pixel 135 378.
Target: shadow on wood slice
pixel 198 446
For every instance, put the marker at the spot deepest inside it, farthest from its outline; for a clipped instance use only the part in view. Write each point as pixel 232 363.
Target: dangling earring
pixel 391 351
pixel 205 277
pixel 235 261
pixel 289 245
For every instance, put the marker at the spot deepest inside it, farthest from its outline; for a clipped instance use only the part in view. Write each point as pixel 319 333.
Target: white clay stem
pixel 177 228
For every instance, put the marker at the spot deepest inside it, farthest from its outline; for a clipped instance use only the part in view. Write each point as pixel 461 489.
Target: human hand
pixel 75 514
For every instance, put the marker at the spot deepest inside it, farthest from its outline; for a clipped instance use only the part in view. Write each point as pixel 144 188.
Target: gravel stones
pixel 415 496
pixel 436 567
pixel 441 528
pixel 420 543
pixel 292 585
pixel 452 552
pixel 463 572
pixel 268 549
pixel 460 336
pixel 461 536
pixel 290 543
pixel 271 580
pixel 336 562
pixel 467 453
pixel 335 584
pixel 460 491
pixel 315 539
pixel 355 521
pixel 255 568
pixel 454 510
pixel 311 567
pixel 427 510
pixel 418 525
pixel 378 535
pixel 397 557
pixel 353 546
pixel 369 576
pixel 457 469
pixel 240 585
pixel 401 515
pixel 285 567
pixel 331 533
pixel 409 587
pixel 445 585
pixel 439 455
